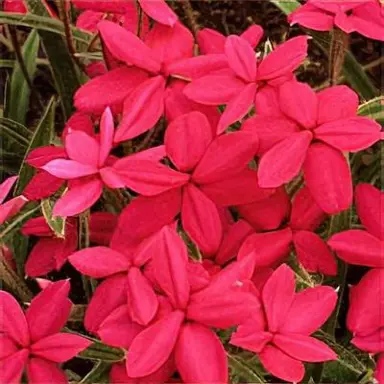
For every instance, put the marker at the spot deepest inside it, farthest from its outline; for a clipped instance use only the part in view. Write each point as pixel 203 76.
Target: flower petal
pixel 11 207
pixel 370 208
pixel 299 102
pixel 304 348
pixel 43 155
pixel 142 300
pixel 49 310
pixel 12 321
pixel 81 148
pixel 250 339
pixel 127 47
pixel 237 107
pixel 352 134
pixel 284 160
pixel 241 57
pixel 42 185
pixel 6 186
pixel 170 266
pixel 315 305
pixel 328 177
pixel 195 344
pixel 69 169
pixel 109 89
pixel 278 294
pixel 41 371
pixel 358 247
pixel 186 140
pixel 201 220
pixel 142 109
pixel 78 198
pixel 60 347
pixel 284 59
pixel 372 343
pixel 99 262
pixel 210 41
pixel 152 347
pixel 12 367
pixel 159 11
pixel 107 130
pixel 225 157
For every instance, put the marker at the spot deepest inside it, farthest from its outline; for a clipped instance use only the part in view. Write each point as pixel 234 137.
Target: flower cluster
pixel 204 229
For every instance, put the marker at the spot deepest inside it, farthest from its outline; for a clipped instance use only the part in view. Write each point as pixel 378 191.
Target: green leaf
pixel 99 351
pixel 98 374
pixel 62 66
pixel 242 370
pixel 14 135
pixel 374 109
pixel 42 23
pixel 57 223
pixel 42 136
pixel 352 70
pixel 19 90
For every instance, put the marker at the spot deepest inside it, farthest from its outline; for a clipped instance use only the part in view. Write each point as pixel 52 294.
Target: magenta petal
pixel 43 155
pixel 81 148
pixel 42 185
pixel 109 89
pixel 152 347
pixel 159 11
pixel 373 343
pixel 238 107
pixel 311 17
pixel 78 198
pixel 111 177
pixel 351 134
pixel 241 57
pixel 328 177
pixel 269 247
pixel 107 130
pixel 109 295
pixel 281 365
pixel 314 254
pixel 225 157
pixel 253 35
pixel 8 345
pixel 11 207
pixel 210 41
pixel 304 348
pixel 149 178
pixel 195 344
pixel 118 329
pixel 12 367
pixel 186 140
pixel 201 219
pixel 41 370
pixel 299 102
pixel 268 213
pixel 284 160
pixel 60 347
pixel 242 188
pixel 6 186
pixel 12 321
pixel 69 169
pixel 306 213
pixel 358 247
pixel 99 262
pixel 250 339
pixel 284 59
pixel 101 227
pixel 370 208
pixel 142 300
pixel 142 109
pixel 336 103
pixel 379 373
pixel 117 39
pixel 278 294
pixel 170 266
pixel 49 310
pixel 314 305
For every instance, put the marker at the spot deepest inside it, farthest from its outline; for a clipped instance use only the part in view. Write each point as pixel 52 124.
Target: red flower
pixel 33 341
pixel 12 206
pixel 246 79
pixel 326 126
pixel 279 332
pixel 363 16
pixel 185 330
pixel 361 247
pixel 210 171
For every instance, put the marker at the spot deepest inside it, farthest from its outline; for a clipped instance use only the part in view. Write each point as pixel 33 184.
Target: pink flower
pixel 33 341
pixel 246 79
pixel 185 329
pixel 326 125
pixel 51 252
pixel 158 10
pixel 279 332
pixel 363 16
pixel 361 247
pixel 210 171
pixel 87 165
pixel 12 206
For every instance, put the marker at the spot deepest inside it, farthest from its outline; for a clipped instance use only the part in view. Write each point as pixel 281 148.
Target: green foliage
pixel 57 223
pixel 374 109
